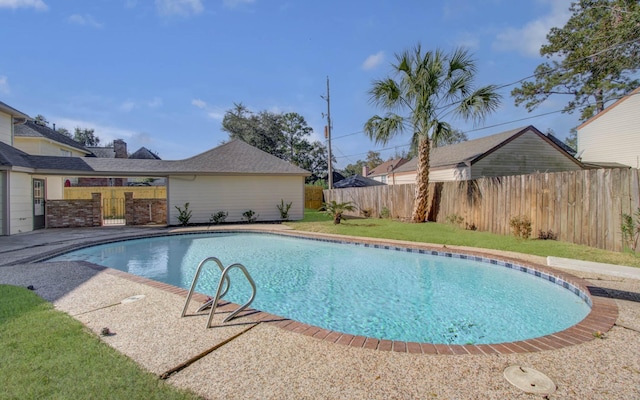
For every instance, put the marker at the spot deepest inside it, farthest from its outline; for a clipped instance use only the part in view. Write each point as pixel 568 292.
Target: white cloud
pixel 199 103
pixel 13 4
pixel 4 85
pixel 528 39
pixel 84 20
pixel 155 102
pixel 236 3
pixel 217 115
pixel 373 61
pixel 128 106
pixel 182 8
pixel 104 132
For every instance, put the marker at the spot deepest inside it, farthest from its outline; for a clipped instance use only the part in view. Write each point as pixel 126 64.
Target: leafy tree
pixel 64 131
pixel 592 59
pixel 454 136
pixel 262 130
pixel 572 139
pixel 354 169
pixel 373 159
pixel 296 131
pixel 429 87
pixel 86 137
pixel 41 120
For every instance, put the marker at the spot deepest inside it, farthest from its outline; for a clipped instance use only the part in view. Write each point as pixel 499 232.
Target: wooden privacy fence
pixel 115 192
pixel 312 197
pixel 583 207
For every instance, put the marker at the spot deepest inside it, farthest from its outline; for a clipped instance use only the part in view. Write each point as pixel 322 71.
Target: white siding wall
pixel 614 136
pixel 235 194
pixel 54 186
pixel 526 154
pixel 5 128
pixel 21 203
pixel 436 175
pixel 3 208
pixel 44 147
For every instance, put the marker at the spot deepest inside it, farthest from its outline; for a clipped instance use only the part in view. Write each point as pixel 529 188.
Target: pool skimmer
pixel 131 299
pixel 529 380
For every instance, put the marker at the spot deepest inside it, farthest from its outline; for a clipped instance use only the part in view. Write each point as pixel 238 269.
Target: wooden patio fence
pixel 582 207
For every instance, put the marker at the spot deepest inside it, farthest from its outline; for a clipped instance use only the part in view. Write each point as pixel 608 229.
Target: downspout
pixel 7 205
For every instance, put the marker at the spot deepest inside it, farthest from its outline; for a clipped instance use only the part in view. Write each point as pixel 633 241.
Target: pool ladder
pixel 224 278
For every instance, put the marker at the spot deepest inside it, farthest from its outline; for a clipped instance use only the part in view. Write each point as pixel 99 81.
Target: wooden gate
pixel 113 211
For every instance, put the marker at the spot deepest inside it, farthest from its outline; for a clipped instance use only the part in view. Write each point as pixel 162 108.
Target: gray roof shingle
pixel 31 129
pixel 466 152
pixel 235 157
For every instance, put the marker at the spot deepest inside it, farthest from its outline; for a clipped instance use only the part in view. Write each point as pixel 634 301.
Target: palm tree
pixel 429 87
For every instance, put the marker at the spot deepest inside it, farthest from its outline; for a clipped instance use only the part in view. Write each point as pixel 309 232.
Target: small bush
pixel 336 209
pixel 218 217
pixel 548 235
pixel 250 216
pixel 455 219
pixel 471 227
pixel 366 212
pixel 385 213
pixel 284 209
pixel 630 230
pixel 521 226
pixel 184 215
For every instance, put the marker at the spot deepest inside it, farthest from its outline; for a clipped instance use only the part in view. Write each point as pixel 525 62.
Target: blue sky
pixel 162 73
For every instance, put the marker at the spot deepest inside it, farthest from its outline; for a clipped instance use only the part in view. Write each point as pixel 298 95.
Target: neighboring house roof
pixel 31 129
pixel 606 110
pixel 12 157
pixel 144 154
pixel 5 108
pixel 562 145
pixel 235 157
pixel 387 167
pixel 470 151
pixel 356 181
pixel 102 152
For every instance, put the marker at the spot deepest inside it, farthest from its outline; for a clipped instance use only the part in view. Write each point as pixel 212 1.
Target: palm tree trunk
pixel 421 197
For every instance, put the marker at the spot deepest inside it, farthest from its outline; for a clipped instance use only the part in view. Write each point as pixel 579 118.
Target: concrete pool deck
pixel 249 359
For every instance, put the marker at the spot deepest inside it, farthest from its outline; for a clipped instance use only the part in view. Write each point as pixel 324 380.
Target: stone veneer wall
pixel 144 211
pixel 74 213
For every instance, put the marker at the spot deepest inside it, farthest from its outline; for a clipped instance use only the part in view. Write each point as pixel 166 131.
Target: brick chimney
pixel 365 171
pixel 120 148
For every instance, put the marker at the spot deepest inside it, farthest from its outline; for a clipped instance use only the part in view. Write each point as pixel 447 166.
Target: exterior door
pixel 38 203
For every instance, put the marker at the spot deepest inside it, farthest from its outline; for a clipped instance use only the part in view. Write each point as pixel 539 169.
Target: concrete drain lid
pixel 132 299
pixel 529 380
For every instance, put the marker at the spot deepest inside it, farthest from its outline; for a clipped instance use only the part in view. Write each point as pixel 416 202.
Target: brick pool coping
pixel 600 319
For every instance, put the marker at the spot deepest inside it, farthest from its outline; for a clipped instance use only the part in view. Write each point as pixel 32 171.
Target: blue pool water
pixel 359 290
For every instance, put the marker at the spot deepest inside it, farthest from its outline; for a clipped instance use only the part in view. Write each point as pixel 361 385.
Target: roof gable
pixel 7 109
pixel 472 151
pixel 606 110
pixel 31 129
pixel 144 154
pixel 387 166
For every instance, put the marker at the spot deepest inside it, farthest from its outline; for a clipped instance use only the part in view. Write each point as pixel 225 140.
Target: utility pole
pixel 327 134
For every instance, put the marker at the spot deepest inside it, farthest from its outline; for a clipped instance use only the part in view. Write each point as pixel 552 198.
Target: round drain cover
pixel 132 299
pixel 529 380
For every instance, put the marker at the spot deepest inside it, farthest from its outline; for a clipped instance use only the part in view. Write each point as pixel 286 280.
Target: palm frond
pixel 382 129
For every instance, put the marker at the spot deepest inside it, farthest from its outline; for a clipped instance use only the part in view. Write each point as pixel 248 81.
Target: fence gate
pixel 113 211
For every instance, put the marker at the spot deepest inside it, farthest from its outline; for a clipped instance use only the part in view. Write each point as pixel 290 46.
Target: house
pixel 612 137
pixel 356 181
pixel 518 151
pixel 235 177
pixel 118 150
pixel 384 172
pixel 36 139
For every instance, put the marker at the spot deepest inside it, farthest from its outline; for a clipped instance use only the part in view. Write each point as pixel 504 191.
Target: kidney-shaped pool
pixel 386 293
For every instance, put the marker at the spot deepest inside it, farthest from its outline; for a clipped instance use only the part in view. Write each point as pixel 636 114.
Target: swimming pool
pixel 374 292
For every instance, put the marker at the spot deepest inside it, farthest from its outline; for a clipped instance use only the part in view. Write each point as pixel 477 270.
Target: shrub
pixel 336 209
pixel 521 226
pixel 471 227
pixel 630 230
pixel 366 212
pixel 218 217
pixel 284 209
pixel 250 216
pixel 548 235
pixel 455 219
pixel 385 213
pixel 184 215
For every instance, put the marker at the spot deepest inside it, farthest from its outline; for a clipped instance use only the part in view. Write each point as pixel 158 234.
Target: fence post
pixel 96 208
pixel 128 208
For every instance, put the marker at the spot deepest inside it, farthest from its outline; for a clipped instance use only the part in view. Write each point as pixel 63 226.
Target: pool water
pixel 379 293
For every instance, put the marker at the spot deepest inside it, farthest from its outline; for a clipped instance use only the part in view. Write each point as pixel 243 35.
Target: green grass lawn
pixel 447 234
pixel 46 354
